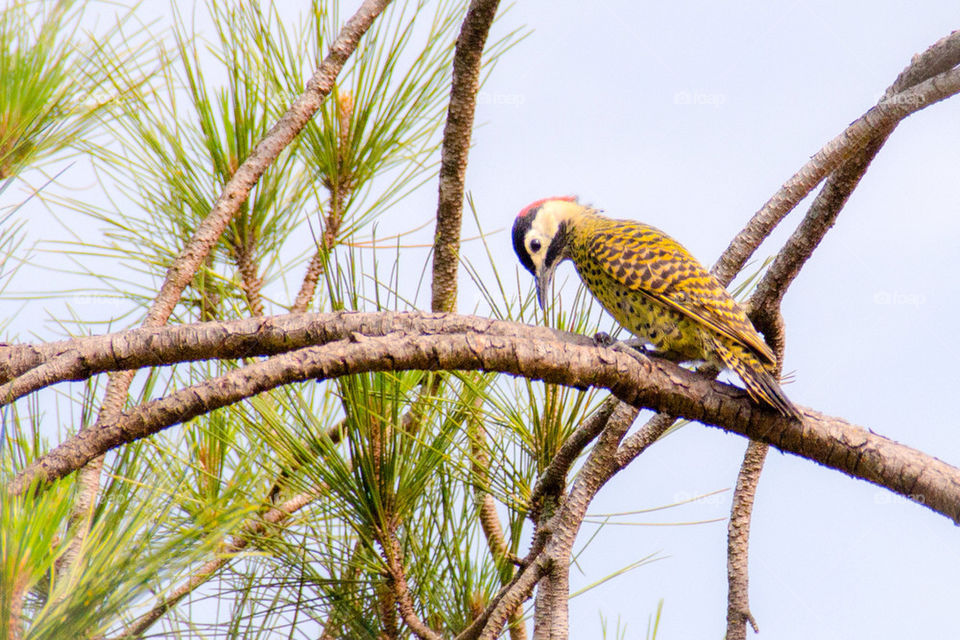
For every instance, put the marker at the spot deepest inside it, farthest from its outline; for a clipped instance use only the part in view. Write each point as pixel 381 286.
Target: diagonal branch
pixel 234 194
pixel 941 57
pixel 821 216
pixel 397 582
pixel 551 615
pixel 280 136
pixel 249 531
pixel 554 478
pixel 236 191
pixel 881 117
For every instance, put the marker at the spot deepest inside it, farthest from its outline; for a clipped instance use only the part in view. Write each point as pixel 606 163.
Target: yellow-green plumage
pixel 656 290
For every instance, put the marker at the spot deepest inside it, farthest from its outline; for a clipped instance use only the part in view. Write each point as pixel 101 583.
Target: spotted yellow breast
pixel 657 290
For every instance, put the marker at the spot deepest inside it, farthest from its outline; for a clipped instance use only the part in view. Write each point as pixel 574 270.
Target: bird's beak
pixel 544 280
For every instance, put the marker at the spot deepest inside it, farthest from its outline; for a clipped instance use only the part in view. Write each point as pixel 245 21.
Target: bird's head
pixel 540 238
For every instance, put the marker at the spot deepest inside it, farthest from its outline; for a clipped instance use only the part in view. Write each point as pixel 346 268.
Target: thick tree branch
pixel 456 146
pixel 42 365
pixel 635 379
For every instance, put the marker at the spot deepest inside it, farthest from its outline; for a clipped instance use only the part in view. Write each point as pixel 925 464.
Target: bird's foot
pixel 603 339
pixel 636 348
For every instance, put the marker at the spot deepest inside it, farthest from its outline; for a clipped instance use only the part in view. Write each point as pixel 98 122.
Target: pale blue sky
pixel 688 116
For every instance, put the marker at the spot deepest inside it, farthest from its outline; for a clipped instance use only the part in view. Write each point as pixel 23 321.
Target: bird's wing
pixel 654 264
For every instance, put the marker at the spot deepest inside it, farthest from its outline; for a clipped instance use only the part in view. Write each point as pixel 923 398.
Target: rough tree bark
pixel 535 353
pixel 764 307
pixel 456 146
pixel 323 346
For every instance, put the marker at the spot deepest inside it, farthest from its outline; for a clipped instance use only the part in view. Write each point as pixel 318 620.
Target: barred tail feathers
pixel 761 385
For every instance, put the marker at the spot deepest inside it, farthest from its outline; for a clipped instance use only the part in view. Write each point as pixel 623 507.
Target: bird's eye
pixel 534 245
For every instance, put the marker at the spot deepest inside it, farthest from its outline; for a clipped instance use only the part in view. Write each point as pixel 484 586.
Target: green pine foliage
pixel 382 467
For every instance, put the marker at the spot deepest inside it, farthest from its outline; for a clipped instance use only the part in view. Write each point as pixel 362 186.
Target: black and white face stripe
pixel 521 227
pixel 540 237
pixel 557 245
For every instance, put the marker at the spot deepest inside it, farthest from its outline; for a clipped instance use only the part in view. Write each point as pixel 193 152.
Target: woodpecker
pixel 652 286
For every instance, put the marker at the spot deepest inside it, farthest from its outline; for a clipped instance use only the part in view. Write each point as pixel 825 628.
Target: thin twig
pixel 248 533
pixel 339 187
pixel 393 556
pixel 250 281
pixel 487 510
